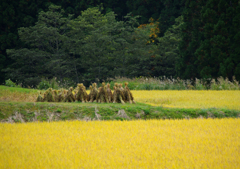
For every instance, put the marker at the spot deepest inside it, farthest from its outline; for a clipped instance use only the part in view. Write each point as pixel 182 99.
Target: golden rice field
pixel 190 98
pixel 195 143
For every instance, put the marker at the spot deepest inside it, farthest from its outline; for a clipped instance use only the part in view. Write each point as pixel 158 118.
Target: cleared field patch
pixel 195 143
pixel 229 99
pixel 9 94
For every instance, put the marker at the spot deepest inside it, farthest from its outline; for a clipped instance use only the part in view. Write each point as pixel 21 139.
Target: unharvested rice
pixel 229 99
pixel 194 143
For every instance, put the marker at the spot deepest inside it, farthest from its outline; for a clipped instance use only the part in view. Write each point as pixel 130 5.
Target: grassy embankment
pixel 18 105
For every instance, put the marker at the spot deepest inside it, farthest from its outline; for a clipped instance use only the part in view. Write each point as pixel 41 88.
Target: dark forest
pixel 92 40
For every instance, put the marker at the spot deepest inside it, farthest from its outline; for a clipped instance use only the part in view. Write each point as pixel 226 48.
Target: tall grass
pixel 164 83
pixel 147 83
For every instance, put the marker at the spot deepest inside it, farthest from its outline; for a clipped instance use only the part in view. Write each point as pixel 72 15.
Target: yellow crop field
pixel 189 98
pixel 194 143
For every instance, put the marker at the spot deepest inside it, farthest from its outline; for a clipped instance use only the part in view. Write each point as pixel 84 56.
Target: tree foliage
pixel 210 38
pixel 44 54
pixel 167 50
pixel 87 41
pixel 91 47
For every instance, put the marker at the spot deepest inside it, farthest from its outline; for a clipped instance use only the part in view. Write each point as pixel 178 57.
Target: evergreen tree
pixel 167 51
pixel 186 65
pixel 135 50
pixel 44 54
pixel 15 14
pixel 165 11
pixel 210 35
pixel 172 9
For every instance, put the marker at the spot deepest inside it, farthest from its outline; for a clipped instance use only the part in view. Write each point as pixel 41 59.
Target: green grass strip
pixel 27 112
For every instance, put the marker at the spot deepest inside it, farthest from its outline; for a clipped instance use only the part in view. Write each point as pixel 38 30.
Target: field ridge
pixel 37 111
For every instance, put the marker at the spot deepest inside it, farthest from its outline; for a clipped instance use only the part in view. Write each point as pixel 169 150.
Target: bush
pixel 10 83
pixel 45 84
pixel 65 83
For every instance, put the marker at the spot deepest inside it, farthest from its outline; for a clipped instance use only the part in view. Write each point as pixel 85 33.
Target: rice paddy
pixel 195 143
pixel 229 99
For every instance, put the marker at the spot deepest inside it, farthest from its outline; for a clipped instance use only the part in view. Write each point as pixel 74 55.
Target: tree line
pixel 21 13
pixel 89 41
pixel 210 34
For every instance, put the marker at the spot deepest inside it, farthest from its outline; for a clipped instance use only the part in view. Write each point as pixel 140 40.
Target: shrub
pixel 10 83
pixel 65 83
pixel 44 84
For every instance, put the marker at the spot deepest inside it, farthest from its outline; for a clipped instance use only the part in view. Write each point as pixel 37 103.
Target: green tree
pixel 165 11
pixel 106 47
pixel 15 14
pixel 89 42
pixel 191 37
pixel 166 54
pixel 44 54
pixel 141 51
pixel 218 50
pixel 209 39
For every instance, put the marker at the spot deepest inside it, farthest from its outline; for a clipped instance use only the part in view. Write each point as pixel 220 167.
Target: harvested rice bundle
pixel 69 97
pixel 93 93
pixel 60 96
pixel 81 94
pixel 102 96
pixel 39 98
pixel 118 94
pixel 128 94
pixel 109 92
pixel 48 96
